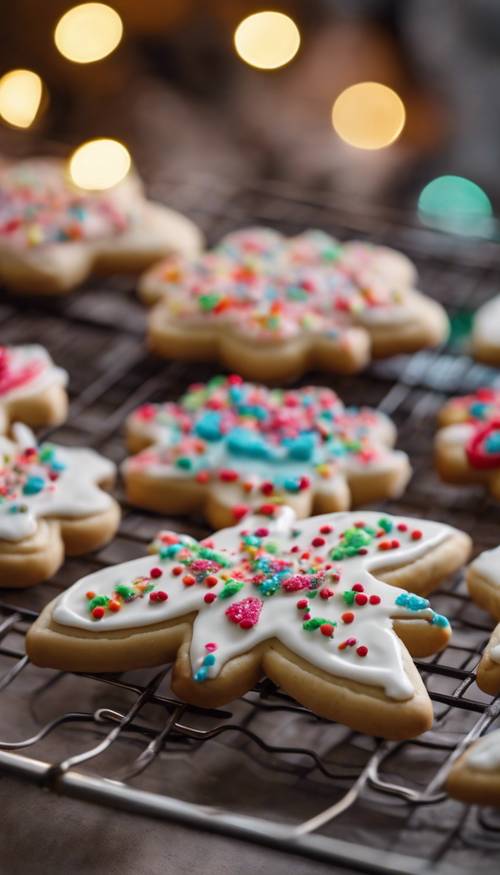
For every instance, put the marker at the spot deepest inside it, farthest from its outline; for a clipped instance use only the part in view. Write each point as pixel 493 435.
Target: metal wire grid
pixel 133 744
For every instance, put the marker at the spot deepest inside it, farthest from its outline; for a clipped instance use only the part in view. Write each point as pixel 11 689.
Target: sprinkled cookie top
pixel 271 286
pixel 478 427
pixel 309 584
pixel 264 440
pixel 25 370
pixel 42 480
pixel 39 206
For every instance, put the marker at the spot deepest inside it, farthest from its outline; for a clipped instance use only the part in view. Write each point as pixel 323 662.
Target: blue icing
pixel 492 442
pixel 439 620
pixel 302 447
pixel 411 601
pixel 208 426
pixel 254 410
pixel 479 409
pixel 246 442
pixel 291 484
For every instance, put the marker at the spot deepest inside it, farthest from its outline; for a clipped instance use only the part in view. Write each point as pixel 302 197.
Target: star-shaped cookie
pixel 53 235
pixel 51 503
pixel 467 445
pixel 315 605
pixel 32 388
pixel 271 307
pixel 226 446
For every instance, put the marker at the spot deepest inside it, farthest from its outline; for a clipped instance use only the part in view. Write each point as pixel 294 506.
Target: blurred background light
pixel 99 164
pixel 20 97
pixel 267 40
pixel 368 115
pixel 456 204
pixel 88 32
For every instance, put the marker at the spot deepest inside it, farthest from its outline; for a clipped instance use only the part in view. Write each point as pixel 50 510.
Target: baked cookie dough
pixel 51 503
pixel 226 446
pixel 467 445
pixel 316 605
pixel 483 582
pixel 32 388
pixel 475 777
pixel 486 333
pixel 272 308
pixel 53 234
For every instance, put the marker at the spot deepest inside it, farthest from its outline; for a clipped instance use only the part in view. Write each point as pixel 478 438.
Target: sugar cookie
pixel 475 777
pixel 314 604
pixel 486 333
pixel 51 503
pixel 32 388
pixel 483 581
pixel 227 446
pixel 467 445
pixel 53 235
pixel 271 307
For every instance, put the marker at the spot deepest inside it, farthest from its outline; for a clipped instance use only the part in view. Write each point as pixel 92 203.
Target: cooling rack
pixel 263 769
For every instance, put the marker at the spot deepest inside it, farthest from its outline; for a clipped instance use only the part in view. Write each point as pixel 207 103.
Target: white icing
pixel 484 755
pixel 47 376
pixel 487 565
pixel 280 618
pixel 487 323
pixel 455 435
pixel 74 494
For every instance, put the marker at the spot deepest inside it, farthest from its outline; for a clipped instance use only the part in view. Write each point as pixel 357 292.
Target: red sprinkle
pixel 318 542
pixel 262 532
pixel 188 580
pixel 239 511
pixel 155 573
pixel 267 488
pixel 114 605
pixel 267 509
pixel 177 569
pixel 402 527
pixel 326 629
pixel 416 535
pixel 347 617
pixel 98 613
pixel 209 597
pixel 361 598
pixel 210 580
pixel 325 530
pixel 358 587
pixel 374 599
pixel 90 594
pixel 326 593
pixel 362 650
pixel 302 603
pixel 227 475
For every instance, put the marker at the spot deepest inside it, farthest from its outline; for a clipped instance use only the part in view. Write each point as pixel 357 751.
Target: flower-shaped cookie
pixel 467 445
pixel 475 777
pixel 227 445
pixel 271 307
pixel 51 503
pixel 486 333
pixel 303 602
pixel 483 581
pixel 53 235
pixel 32 388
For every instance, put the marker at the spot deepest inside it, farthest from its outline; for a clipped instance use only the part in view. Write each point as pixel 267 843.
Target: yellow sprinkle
pixel 34 235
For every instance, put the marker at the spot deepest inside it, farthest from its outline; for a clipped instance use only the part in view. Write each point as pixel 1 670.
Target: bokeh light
pixel 456 204
pixel 88 32
pixel 267 40
pixel 20 97
pixel 99 164
pixel 368 115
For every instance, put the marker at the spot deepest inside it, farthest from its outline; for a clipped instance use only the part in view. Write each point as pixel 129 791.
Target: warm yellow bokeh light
pixel 267 40
pixel 20 97
pixel 99 164
pixel 368 115
pixel 88 32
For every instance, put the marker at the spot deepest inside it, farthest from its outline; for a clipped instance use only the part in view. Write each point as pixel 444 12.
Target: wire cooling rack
pixel 263 769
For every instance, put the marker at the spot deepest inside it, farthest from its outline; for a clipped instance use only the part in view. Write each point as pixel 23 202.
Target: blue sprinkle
pixel 479 410
pixel 33 485
pixel 291 484
pixel 209 659
pixel 208 426
pixel 301 448
pixel 57 465
pixel 170 551
pixel 246 442
pixel 439 620
pixel 492 442
pixel 201 674
pixel 412 602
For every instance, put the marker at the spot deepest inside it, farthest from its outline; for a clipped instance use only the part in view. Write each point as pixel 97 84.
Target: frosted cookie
pixel 486 333
pixel 467 445
pixel 475 777
pixel 227 446
pixel 51 503
pixel 53 235
pixel 483 582
pixel 32 388
pixel 316 605
pixel 271 307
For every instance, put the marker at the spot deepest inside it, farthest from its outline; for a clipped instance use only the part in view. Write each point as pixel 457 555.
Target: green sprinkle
pixel 385 524
pixel 99 601
pixel 315 622
pixel 349 596
pixel 184 462
pixel 231 587
pixel 125 591
pixel 208 302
